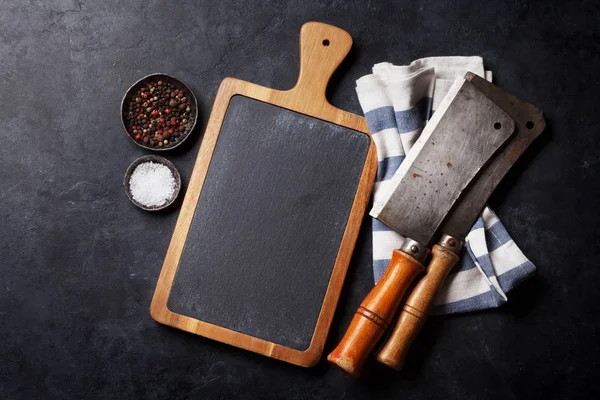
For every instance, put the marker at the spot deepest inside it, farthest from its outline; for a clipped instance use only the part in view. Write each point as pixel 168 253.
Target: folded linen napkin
pixel 397 102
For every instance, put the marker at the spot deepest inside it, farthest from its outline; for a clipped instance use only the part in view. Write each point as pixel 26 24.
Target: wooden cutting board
pixel 272 212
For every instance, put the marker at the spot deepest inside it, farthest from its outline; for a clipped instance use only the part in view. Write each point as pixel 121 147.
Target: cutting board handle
pixel 322 49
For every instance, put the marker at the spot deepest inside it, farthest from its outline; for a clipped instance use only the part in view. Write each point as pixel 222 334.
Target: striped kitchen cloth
pixel 397 102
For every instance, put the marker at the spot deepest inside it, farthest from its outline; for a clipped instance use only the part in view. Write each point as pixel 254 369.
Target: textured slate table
pixel 78 263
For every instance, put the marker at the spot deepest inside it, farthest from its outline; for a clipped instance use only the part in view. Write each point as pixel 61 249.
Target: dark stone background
pixel 78 262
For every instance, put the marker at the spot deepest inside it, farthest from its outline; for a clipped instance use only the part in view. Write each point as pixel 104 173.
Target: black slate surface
pixel 269 223
pixel 78 262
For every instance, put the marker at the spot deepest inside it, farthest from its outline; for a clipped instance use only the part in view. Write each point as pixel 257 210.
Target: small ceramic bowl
pixel 159 160
pixel 178 85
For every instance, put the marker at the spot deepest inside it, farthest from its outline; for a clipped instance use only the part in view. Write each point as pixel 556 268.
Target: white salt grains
pixel 152 184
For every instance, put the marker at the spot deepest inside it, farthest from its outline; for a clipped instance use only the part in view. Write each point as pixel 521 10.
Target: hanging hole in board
pixel 326 42
pixel 497 125
pixel 529 124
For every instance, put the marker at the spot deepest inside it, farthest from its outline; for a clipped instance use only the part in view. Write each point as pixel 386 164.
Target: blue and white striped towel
pixel 397 102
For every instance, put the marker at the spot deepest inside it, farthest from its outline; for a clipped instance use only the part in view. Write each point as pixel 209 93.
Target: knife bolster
pixel 415 249
pixel 451 243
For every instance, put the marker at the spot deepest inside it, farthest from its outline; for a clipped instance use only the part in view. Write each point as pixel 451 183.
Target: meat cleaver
pixel 529 123
pixel 467 129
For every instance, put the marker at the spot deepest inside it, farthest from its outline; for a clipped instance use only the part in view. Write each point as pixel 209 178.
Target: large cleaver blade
pixel 529 124
pixel 467 129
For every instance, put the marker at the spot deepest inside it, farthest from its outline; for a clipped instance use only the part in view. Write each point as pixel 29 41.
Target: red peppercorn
pixel 171 131
pixel 163 125
pixel 167 111
pixel 145 95
pixel 154 113
pixel 173 121
pixel 162 120
pixel 134 127
pixel 160 131
pixel 138 136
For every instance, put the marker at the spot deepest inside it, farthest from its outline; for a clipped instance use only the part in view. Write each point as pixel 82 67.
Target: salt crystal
pixel 152 184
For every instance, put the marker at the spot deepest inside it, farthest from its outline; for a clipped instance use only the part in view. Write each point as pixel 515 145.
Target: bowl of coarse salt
pixel 152 183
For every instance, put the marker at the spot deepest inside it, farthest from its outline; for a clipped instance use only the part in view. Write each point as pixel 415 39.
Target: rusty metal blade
pixel 462 135
pixel 529 123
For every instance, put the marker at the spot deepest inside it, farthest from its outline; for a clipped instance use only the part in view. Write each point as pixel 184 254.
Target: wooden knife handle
pixel 374 315
pixel 417 306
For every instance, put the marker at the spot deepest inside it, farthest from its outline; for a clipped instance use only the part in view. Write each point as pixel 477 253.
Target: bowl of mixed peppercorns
pixel 159 112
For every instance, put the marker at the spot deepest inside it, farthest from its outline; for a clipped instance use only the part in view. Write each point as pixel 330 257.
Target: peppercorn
pixel 147 110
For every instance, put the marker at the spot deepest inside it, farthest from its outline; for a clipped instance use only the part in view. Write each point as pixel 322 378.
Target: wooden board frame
pixel 322 49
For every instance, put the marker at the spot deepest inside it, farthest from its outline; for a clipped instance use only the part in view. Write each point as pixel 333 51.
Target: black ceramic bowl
pixel 178 85
pixel 159 160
